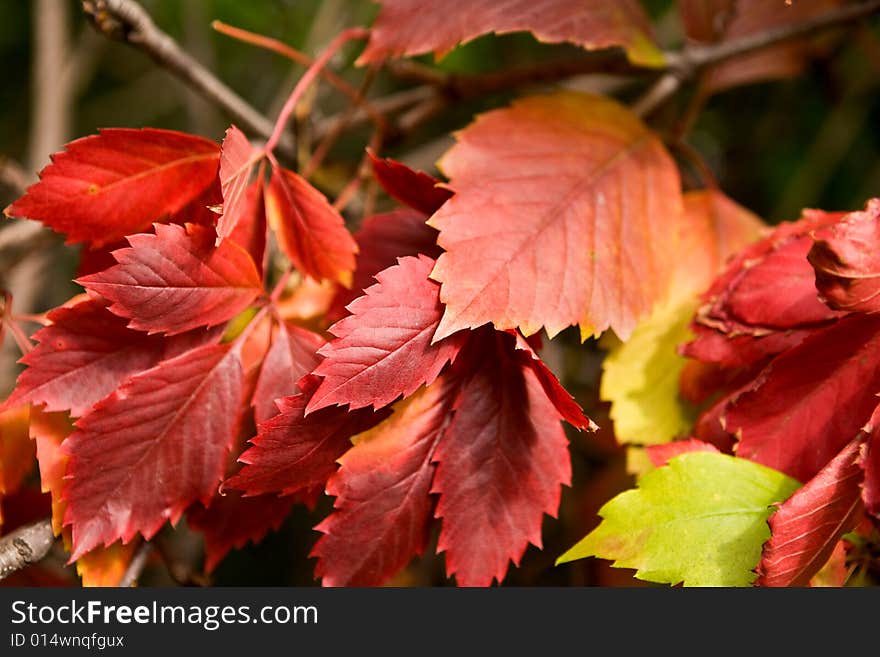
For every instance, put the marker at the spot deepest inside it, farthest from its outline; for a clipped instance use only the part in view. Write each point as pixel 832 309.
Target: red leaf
pixel 381 240
pixel 870 462
pixel 847 263
pixel 415 189
pixel 202 209
pixel 710 427
pixel 293 354
pixel 575 228
pixel 310 231
pixel 383 509
pixel 292 451
pixel 250 230
pixel 807 526
pixel 765 301
pixel 568 408
pixel 500 464
pixel 106 186
pixel 810 401
pixel 383 350
pixel 152 448
pixel 177 280
pixel 411 27
pixel 95 260
pixel 86 353
pixel 237 159
pixel 230 521
pixel 660 454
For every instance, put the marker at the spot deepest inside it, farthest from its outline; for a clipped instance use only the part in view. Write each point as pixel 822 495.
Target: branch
pixel 13 175
pixel 127 21
pixel 25 546
pixel 689 62
pixel 19 240
pixel 136 567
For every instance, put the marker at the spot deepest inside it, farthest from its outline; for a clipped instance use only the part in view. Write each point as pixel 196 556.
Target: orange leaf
pixel 310 231
pixel 566 211
pixel 106 566
pixel 16 449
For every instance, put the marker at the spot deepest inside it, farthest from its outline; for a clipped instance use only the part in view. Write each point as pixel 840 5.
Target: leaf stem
pixel 341 39
pixel 281 48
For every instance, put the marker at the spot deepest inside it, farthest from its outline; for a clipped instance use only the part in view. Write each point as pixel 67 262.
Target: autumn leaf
pixel 153 447
pixel 383 349
pixel 237 159
pixel 177 280
pixel 568 409
pixel 575 228
pixel 100 566
pixel 250 229
pixel 807 526
pixel 640 379
pixel 383 509
pixel 86 352
pixel 660 455
pixel 501 464
pixel 98 191
pixel 869 460
pixel 231 521
pixel 408 27
pixel 764 301
pixel 415 189
pixel 381 240
pixel 641 376
pixel 811 400
pixel 845 259
pixel 293 451
pixel 48 431
pixel 103 567
pixel 310 231
pixel 714 227
pixel 700 520
pixel 835 572
pixel 16 450
pixel 292 355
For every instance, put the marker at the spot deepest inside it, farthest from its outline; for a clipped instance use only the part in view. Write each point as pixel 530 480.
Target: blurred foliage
pixel 775 147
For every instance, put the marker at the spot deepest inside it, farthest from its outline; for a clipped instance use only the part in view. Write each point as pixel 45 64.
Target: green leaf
pixel 641 378
pixel 701 520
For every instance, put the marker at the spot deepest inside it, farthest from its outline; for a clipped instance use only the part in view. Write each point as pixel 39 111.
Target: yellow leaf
pixel 640 379
pixel 641 376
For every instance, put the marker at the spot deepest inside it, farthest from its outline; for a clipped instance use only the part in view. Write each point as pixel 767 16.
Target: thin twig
pixel 13 175
pixel 19 240
pixel 356 96
pixel 685 65
pixel 136 566
pixel 329 140
pixel 127 21
pixel 341 39
pixel 25 546
pixel 387 106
